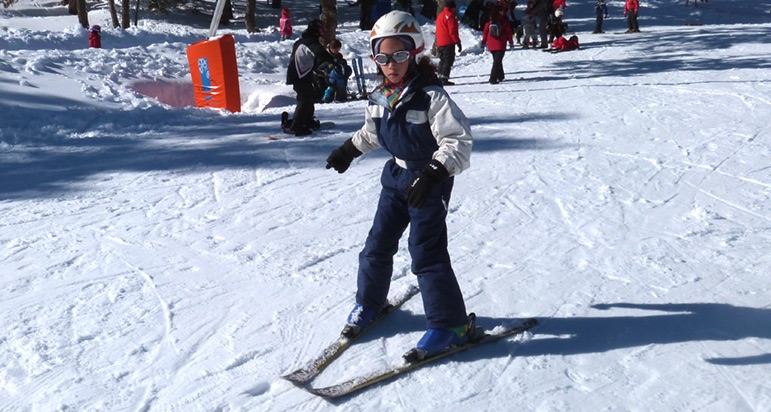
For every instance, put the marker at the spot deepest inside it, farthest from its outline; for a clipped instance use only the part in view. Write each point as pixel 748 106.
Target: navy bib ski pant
pixel 427 244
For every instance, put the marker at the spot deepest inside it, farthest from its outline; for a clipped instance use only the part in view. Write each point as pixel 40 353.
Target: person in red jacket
pixel 95 37
pixel 446 39
pixel 496 35
pixel 630 12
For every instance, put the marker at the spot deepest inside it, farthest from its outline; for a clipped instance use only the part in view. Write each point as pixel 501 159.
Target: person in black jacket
pixel 307 55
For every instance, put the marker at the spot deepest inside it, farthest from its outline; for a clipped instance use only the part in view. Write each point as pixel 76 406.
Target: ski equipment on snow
pixel 358 77
pixel 306 373
pixel 362 382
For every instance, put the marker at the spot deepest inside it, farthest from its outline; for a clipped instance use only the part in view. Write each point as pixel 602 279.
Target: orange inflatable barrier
pixel 215 73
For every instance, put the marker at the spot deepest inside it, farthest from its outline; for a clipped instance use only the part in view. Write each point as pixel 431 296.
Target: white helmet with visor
pixel 397 24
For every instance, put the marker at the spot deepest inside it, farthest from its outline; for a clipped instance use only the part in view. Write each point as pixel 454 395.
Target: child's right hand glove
pixel 340 159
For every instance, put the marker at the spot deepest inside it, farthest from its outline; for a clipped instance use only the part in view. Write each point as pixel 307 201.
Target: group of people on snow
pixel 540 27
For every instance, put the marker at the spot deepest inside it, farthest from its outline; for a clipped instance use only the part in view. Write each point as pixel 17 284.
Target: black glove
pixel 460 48
pixel 342 157
pixel 423 184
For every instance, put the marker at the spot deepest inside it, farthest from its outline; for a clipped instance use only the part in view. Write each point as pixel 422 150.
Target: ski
pixel 361 382
pixel 356 75
pixel 306 373
pixel 361 77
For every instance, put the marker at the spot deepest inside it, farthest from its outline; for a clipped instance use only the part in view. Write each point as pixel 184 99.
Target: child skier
pixel 285 24
pixel 496 34
pixel 95 37
pixel 413 118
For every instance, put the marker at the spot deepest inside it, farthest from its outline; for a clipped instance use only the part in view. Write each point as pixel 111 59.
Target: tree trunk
pixel 329 16
pixel 249 20
pixel 72 7
pixel 113 13
pixel 227 13
pixel 125 14
pixel 365 21
pixel 83 13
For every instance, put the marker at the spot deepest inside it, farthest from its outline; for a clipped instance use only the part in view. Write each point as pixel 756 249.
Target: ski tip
pixel 325 393
pixel 295 378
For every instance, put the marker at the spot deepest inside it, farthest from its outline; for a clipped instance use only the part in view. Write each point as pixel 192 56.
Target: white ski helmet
pixel 559 13
pixel 397 23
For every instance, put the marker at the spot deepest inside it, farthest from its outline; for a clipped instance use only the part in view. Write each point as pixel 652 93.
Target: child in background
pixel 285 24
pixel 495 40
pixel 95 37
pixel 556 27
pixel 528 24
pixel 338 75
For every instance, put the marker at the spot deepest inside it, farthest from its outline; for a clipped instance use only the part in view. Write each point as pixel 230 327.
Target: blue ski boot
pixel 359 318
pixel 436 340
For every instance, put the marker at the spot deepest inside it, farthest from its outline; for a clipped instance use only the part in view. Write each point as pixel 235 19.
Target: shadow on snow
pixel 681 323
pixel 79 141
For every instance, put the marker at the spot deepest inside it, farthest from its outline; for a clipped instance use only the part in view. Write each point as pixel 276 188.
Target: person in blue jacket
pixel 338 75
pixel 601 9
pixel 429 138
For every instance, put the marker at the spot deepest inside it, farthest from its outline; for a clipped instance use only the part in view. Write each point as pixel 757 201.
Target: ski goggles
pixel 397 57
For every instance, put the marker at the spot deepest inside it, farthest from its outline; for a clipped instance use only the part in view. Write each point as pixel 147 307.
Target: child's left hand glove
pixel 421 186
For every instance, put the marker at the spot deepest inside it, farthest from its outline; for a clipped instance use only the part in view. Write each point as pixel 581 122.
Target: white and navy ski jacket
pixel 426 124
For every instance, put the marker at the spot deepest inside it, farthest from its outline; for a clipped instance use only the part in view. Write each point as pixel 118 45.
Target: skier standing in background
pixel 602 13
pixel 447 38
pixel 630 12
pixel 541 11
pixel 496 42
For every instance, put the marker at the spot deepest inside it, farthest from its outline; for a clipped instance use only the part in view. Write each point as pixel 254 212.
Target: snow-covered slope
pixel 155 256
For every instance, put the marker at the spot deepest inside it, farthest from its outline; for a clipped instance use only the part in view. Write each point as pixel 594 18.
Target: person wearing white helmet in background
pixel 412 117
pixel 556 26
